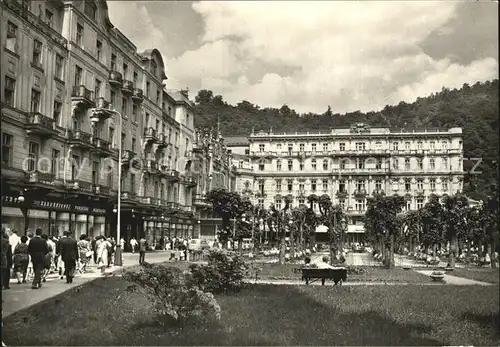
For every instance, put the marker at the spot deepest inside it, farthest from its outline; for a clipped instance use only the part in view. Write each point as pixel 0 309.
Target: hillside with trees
pixel 473 108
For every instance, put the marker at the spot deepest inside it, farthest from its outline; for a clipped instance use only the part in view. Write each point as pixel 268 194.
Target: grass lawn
pixel 372 274
pixel 483 274
pixel 103 313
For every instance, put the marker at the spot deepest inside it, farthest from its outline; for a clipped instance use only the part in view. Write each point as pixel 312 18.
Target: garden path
pixel 454 280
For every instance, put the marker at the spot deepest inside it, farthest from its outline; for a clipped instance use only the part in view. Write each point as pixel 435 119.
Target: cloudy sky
pixel 306 54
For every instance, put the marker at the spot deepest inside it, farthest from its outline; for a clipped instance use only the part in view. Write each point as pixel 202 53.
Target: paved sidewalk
pixel 21 296
pixel 458 281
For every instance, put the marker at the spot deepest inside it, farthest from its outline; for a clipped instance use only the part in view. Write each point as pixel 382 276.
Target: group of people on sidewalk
pixel 34 256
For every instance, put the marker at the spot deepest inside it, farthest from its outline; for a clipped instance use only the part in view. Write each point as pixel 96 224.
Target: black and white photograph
pixel 250 173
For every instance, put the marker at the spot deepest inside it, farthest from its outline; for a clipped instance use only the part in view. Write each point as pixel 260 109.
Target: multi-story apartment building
pixel 212 163
pixel 75 90
pixel 348 165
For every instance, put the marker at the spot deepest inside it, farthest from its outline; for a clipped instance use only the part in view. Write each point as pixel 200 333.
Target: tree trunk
pixel 453 250
pixel 492 252
pixel 434 250
pixel 390 263
pixel 282 249
pixel 292 243
pixel 240 247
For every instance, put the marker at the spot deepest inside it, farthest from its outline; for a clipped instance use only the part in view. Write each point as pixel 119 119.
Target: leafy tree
pixel 229 206
pixel 204 97
pixel 278 223
pixel 332 217
pixel 433 223
pixel 382 222
pixel 455 223
pixel 413 224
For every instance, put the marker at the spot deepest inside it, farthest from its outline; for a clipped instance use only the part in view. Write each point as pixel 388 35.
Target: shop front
pixel 53 216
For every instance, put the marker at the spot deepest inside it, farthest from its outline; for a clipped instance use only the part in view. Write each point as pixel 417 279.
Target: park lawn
pixel 104 313
pixel 483 274
pixel 371 274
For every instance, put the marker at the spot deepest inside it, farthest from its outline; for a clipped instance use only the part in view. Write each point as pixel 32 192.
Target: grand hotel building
pixel 65 68
pixel 349 165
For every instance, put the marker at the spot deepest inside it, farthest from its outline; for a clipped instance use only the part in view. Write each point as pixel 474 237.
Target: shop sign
pixel 84 209
pixel 98 211
pixel 10 199
pixel 51 205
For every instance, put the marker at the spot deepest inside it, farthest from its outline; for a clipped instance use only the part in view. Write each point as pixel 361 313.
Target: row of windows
pixel 359 185
pixel 8 148
pixel 360 164
pixel 359 204
pixel 360 146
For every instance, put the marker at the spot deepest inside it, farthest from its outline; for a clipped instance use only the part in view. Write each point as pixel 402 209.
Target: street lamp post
pixel 118 250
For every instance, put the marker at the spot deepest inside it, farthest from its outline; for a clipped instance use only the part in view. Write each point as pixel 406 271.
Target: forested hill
pixel 474 108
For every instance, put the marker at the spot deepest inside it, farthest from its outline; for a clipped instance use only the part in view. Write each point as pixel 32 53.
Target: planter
pixel 448 269
pixel 437 276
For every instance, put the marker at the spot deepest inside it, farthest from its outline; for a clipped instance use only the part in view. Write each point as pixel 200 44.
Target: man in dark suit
pixel 68 250
pixel 38 250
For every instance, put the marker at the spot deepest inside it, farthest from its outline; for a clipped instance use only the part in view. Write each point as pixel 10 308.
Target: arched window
pixel 153 67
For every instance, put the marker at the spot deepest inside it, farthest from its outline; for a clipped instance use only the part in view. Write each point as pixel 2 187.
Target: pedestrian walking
pixel 6 260
pixel 85 253
pixel 133 244
pixel 48 258
pixel 38 250
pixel 21 260
pixel 143 244
pixel 102 253
pixel 69 254
pixel 30 272
pixel 14 240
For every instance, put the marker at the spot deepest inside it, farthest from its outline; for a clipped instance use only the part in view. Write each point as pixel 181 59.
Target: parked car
pixel 198 245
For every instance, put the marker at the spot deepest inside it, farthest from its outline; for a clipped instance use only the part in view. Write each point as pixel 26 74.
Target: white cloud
pixel 350 55
pixel 132 19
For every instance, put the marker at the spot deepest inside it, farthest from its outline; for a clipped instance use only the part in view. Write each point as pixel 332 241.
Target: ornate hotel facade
pixel 67 76
pixel 349 165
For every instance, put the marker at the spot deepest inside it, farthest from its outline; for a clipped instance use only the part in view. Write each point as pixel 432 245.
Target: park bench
pixel 338 275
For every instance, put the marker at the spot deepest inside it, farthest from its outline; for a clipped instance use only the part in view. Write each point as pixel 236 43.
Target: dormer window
pixel 90 9
pixel 153 67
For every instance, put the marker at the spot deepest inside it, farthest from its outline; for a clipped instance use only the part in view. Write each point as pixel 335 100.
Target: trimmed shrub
pixel 224 273
pixel 172 294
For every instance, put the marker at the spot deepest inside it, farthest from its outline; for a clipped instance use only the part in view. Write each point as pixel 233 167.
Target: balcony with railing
pixel 186 209
pixel 150 135
pixel 190 181
pixel 115 79
pixel 361 171
pixel 130 159
pixel 82 96
pixel 341 194
pixel 144 200
pixel 419 192
pixel 151 166
pixel 161 141
pixel 378 192
pixel 360 193
pixel 38 178
pixel 173 206
pixel 127 87
pixel 200 201
pixel 38 124
pixel 359 152
pixel 102 147
pixel 138 95
pixel 79 186
pixel 102 111
pixel 80 139
pixel 128 197
pixel 102 190
pixel 172 175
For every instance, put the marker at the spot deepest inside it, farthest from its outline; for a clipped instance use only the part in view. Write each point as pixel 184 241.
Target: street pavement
pixel 21 296
pixel 457 281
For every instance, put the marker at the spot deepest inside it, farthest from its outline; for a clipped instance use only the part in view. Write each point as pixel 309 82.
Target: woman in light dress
pixel 84 252
pixel 102 246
